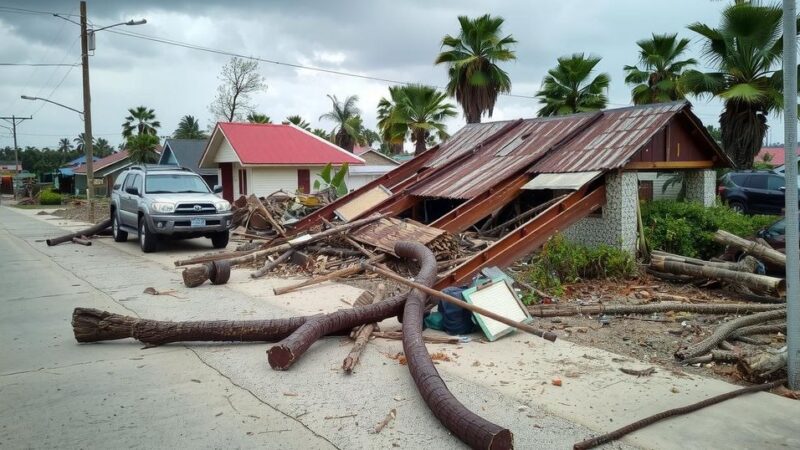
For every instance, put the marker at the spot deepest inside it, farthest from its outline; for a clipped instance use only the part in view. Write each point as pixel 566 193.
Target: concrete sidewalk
pixel 507 381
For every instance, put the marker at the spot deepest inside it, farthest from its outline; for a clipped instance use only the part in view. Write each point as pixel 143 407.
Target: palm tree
pixel 142 120
pixel 254 117
pixel 142 148
pixel 657 80
pixel 416 110
pixel 745 52
pixel 475 79
pixel 102 148
pixel 64 145
pixel 567 89
pixel 349 126
pixel 299 122
pixel 319 132
pixel 188 128
pixel 79 142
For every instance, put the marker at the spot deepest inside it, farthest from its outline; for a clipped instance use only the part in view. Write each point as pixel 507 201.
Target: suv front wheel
pixel 119 235
pixel 147 240
pixel 220 239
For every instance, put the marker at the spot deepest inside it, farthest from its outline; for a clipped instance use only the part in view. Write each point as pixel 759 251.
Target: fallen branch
pixel 638 425
pixel 389 417
pixel 269 265
pixel 83 240
pixel 714 356
pixel 91 231
pixel 753 281
pixel 362 336
pixel 760 251
pixel 350 270
pixel 747 264
pixel 725 330
pixel 697 308
pixel 398 336
pixel 472 429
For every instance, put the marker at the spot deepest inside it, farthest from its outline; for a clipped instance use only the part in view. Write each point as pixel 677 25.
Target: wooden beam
pixel 648 165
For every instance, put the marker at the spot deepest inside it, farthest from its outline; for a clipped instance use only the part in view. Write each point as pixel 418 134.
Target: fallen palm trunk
pixel 472 429
pixel 725 330
pixel 468 306
pixel 759 329
pixel 363 334
pixel 755 282
pixel 294 243
pixel 269 265
pixel 747 264
pixel 91 231
pixel 638 425
pixel 764 364
pixel 760 251
pixel 697 308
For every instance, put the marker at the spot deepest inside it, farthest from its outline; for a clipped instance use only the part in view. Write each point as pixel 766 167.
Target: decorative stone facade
pixel 701 186
pixel 616 223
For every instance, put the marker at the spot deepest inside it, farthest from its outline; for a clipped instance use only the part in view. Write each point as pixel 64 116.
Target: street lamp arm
pixel 130 22
pixel 26 97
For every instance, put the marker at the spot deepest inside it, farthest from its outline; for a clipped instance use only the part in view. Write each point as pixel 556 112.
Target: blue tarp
pixel 65 171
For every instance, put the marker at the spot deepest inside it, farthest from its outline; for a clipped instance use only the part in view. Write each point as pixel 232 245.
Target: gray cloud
pixel 388 39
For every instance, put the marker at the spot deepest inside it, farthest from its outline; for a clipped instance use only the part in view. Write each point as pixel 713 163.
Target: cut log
pixel 362 336
pixel 760 251
pixel 725 330
pixel 215 257
pixel 269 265
pixel 91 231
pixel 472 429
pixel 761 283
pixel 747 264
pixel 197 275
pixel 256 204
pixel 82 241
pixel 764 364
pixel 698 308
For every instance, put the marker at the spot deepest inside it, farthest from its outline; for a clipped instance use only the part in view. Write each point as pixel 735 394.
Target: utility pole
pixel 87 114
pixel 792 238
pixel 14 120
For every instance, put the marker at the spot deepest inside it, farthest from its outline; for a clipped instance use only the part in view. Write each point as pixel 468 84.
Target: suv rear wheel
pixel 119 235
pixel 220 239
pixel 737 206
pixel 147 240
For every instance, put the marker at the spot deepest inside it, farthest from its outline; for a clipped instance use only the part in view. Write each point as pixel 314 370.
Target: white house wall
pixel 225 153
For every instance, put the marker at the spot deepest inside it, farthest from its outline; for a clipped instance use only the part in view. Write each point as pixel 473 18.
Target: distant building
pixel 376 165
pixel 187 153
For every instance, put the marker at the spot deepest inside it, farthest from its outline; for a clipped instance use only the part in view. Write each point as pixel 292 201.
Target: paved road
pixel 57 393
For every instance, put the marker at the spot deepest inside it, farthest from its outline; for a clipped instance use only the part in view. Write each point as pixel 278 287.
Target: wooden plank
pixel 384 233
pixel 647 165
pixel 363 203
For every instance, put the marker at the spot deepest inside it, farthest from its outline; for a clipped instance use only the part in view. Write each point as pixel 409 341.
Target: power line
pixel 13 10
pixel 276 62
pixel 40 64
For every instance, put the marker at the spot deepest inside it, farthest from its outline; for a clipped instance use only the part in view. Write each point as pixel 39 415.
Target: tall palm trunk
pixel 344 140
pixel 419 142
pixel 743 129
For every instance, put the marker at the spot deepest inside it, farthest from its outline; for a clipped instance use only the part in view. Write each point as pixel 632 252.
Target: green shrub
pixel 48 197
pixel 561 261
pixel 686 228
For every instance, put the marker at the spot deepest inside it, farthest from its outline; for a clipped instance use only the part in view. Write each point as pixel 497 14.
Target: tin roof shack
pixel 522 181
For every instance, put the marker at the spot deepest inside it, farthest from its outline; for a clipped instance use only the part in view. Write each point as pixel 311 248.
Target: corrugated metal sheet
pixel 572 181
pixel 385 232
pixel 611 141
pixel 515 150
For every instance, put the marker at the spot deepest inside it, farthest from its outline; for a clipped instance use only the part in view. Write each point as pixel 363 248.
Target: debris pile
pixel 268 216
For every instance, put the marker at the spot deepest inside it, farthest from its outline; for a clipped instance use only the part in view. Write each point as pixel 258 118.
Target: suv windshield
pixel 175 184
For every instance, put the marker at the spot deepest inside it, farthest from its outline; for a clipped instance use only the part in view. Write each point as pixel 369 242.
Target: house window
pixel 243 181
pixel 304 180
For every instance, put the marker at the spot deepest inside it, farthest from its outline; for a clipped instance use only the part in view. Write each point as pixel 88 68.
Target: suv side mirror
pixel 133 190
pixel 217 189
pixel 782 188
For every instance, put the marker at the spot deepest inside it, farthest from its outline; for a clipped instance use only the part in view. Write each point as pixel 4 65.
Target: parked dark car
pixel 774 235
pixel 753 192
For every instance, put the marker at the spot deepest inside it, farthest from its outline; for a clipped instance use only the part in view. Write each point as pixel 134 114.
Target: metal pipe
pixel 790 149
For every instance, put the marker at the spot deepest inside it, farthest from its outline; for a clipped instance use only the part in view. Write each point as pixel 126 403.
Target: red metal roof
pixel 777 153
pixel 104 162
pixel 610 141
pixel 279 144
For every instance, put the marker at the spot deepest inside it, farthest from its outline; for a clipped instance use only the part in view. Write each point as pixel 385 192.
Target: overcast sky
pixel 391 39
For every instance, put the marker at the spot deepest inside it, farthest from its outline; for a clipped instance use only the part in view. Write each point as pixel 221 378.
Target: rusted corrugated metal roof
pixel 385 232
pixel 517 148
pixel 611 141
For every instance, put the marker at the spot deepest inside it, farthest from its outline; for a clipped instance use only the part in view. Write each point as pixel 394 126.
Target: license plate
pixel 198 222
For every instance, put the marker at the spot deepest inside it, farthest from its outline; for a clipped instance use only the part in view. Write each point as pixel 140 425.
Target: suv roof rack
pixel 157 167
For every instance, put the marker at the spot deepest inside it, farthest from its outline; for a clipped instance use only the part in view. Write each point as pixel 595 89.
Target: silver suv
pixel 161 201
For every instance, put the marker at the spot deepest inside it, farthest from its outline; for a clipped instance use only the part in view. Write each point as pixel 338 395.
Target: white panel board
pixel 499 298
pixel 571 181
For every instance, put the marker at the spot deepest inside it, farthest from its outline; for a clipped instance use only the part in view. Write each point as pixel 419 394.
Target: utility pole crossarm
pixel 14 121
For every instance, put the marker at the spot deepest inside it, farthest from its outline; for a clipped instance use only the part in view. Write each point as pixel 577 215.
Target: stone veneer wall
pixel 701 186
pixel 616 226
